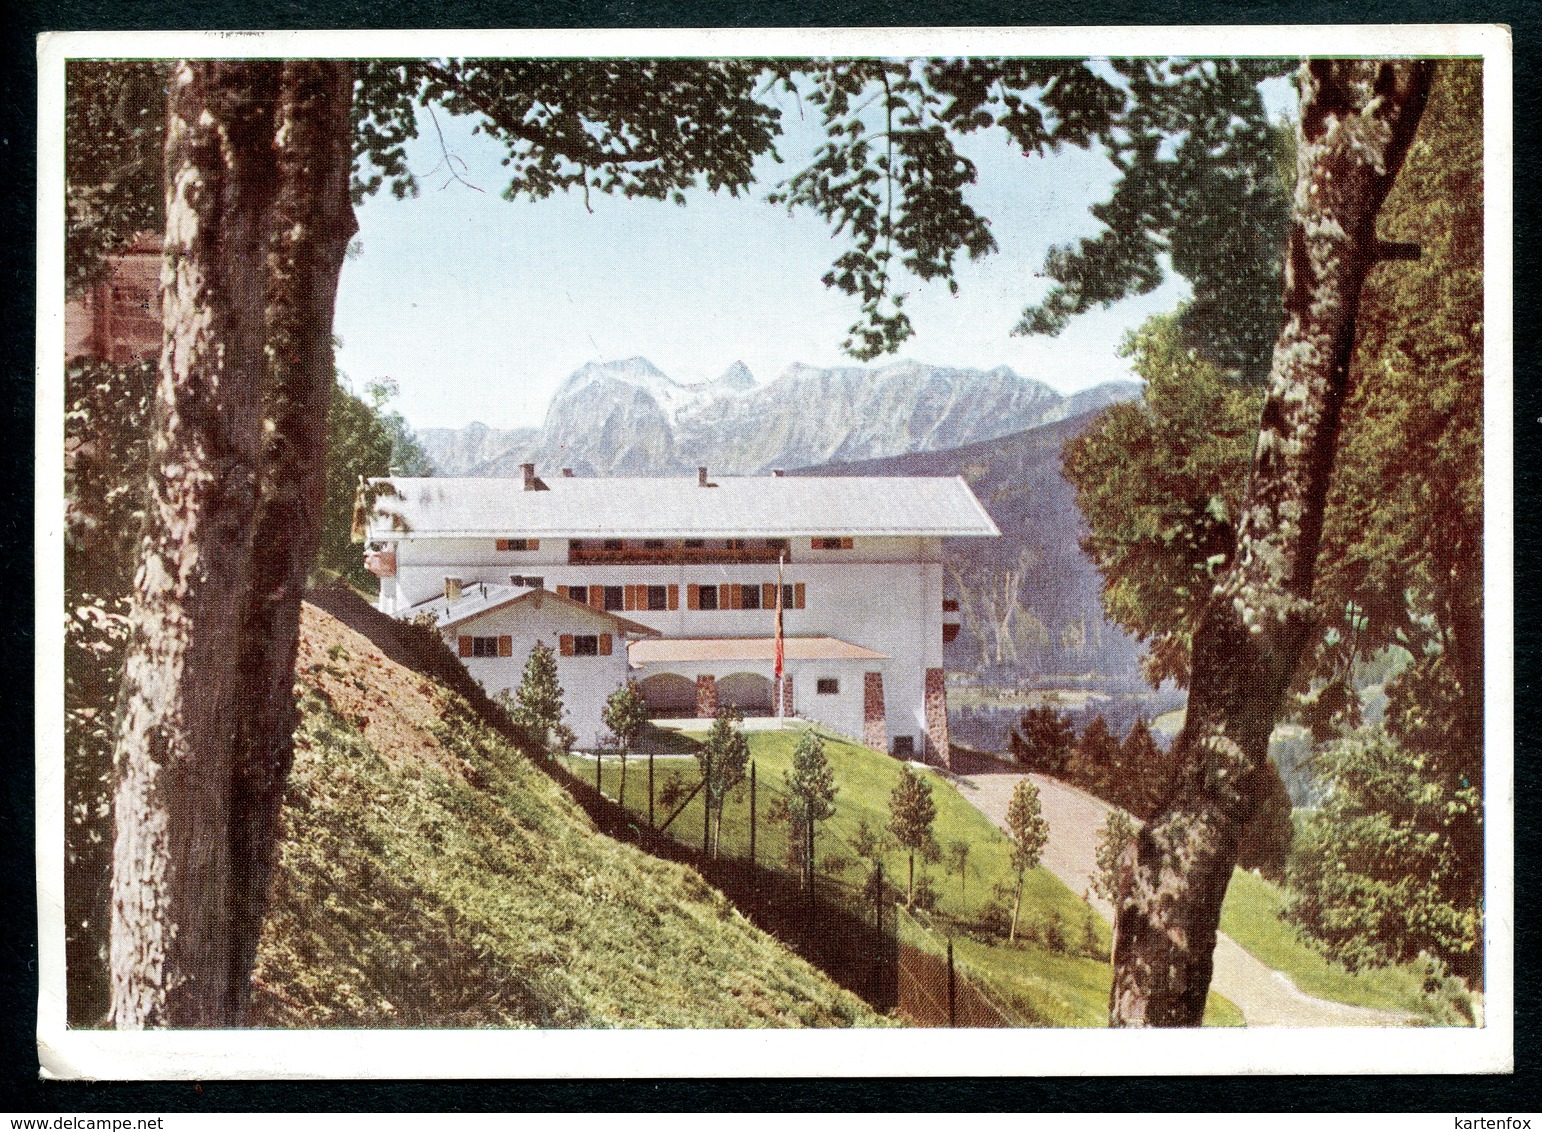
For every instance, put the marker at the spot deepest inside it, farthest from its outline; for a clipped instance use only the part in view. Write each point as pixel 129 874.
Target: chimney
pixel 701 476
pixel 567 473
pixel 778 472
pixel 529 470
pixel 452 589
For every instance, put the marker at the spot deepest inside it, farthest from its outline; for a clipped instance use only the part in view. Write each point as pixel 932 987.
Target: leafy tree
pixel 958 862
pixel 538 705
pixel 626 714
pixel 407 455
pixel 1200 185
pixel 1377 876
pixel 911 813
pixel 725 760
pixel 1043 739
pixel 1159 482
pixel 358 448
pixel 1028 832
pixel 1146 770
pixel 1358 118
pixel 1115 836
pixel 810 794
pixel 1096 765
pixel 258 217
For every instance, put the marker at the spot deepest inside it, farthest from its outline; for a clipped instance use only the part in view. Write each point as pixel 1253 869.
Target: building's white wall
pixel 841 711
pixel 884 594
pixel 587 681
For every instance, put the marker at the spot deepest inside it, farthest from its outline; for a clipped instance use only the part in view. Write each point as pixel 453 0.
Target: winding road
pixel 1265 996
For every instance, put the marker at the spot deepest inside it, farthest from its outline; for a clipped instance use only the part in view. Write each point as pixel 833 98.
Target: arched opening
pixel 669 696
pixel 747 691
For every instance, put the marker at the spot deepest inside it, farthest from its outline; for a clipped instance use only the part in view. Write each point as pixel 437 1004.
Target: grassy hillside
pixel 1054 975
pixel 431 876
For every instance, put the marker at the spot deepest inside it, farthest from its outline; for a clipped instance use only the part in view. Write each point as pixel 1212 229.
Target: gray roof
pixel 656 507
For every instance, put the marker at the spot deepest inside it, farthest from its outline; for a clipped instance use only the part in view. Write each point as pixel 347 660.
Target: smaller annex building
pixel 493 629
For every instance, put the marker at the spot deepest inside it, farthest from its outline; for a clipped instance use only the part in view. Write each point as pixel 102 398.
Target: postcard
pixel 710 552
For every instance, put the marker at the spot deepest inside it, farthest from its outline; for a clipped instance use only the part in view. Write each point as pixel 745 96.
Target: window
pixel 708 598
pixel 694 543
pixel 776 543
pixel 579 594
pixel 586 644
pixel 950 605
pixel 830 543
pixel 750 598
pixel 904 746
pixel 827 686
pixel 534 581
pixel 615 597
pixel 735 543
pixel 653 544
pixel 615 544
pixel 576 544
pixel 519 544
pixel 487 646
pixel 658 597
pixel 793 594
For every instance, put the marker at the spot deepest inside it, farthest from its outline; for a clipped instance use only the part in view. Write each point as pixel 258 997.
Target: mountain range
pixel 630 418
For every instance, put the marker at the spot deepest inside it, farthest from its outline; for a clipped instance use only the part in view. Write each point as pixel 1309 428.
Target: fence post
pixel 952 988
pixel 650 790
pixel 706 807
pixel 752 813
pixel 598 758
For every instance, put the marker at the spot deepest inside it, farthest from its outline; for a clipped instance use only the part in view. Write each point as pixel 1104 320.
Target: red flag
pixel 779 649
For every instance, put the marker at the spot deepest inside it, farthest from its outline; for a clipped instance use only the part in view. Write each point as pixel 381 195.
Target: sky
pixel 478 307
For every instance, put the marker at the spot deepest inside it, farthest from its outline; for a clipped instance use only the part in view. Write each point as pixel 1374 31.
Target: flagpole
pixel 779 651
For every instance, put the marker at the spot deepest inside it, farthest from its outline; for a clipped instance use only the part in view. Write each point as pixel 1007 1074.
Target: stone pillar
pixel 875 730
pixel 786 692
pixel 937 749
pixel 706 697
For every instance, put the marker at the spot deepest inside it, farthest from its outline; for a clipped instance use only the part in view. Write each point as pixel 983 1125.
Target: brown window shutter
pixel 597 597
pixel 562 591
pixel 674 597
pixel 692 596
pixel 631 598
pixel 730 596
pixel 797 596
pixel 565 644
pixel 605 644
pixel 505 645
pixel 845 544
pixel 768 596
pixel 465 646
pixel 816 544
pixel 533 544
pixel 503 544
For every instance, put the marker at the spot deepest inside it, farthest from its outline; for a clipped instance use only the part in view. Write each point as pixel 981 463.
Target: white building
pixel 695 561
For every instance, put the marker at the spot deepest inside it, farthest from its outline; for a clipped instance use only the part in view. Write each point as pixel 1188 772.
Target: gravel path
pixel 1266 997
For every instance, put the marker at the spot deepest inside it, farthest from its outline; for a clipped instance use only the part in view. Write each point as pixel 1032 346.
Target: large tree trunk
pixel 313 221
pixel 1357 121
pixel 253 159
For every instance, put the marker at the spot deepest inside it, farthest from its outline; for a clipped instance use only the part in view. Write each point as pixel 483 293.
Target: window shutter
pixel 505 646
pixel 597 597
pixel 845 544
pixel 533 544
pixel 768 596
pixel 692 595
pixel 565 642
pixel 730 596
pixel 797 596
pixel 503 544
pixel 816 544
pixel 465 646
pixel 631 598
pixel 604 644
pixel 674 597
pixel 562 591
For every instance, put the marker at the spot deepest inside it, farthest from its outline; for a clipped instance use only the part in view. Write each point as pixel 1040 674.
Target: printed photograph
pixel 980 541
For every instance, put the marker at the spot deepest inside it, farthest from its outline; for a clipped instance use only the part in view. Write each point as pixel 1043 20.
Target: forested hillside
pixel 1029 600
